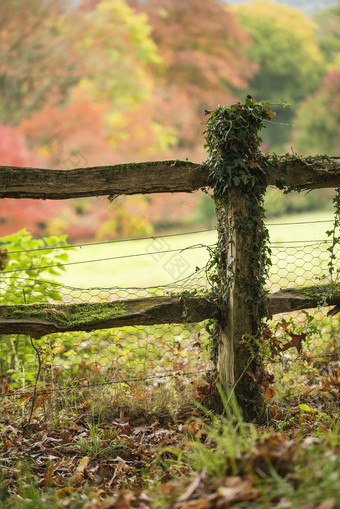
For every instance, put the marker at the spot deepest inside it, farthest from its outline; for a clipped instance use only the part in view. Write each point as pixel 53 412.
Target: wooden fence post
pixel 237 360
pixel 237 170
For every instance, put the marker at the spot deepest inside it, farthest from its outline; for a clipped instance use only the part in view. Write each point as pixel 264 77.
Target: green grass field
pixel 163 268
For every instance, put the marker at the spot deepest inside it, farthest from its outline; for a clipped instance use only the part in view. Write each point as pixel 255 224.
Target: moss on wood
pixel 318 292
pixel 71 316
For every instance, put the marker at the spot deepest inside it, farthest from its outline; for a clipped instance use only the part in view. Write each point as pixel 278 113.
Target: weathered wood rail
pixel 162 177
pixel 38 320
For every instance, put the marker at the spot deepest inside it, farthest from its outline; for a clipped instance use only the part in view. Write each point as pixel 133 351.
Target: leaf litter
pixel 119 464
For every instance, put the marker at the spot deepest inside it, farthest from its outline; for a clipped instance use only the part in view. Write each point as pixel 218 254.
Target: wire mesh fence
pixel 138 362
pixel 307 264
pixel 126 362
pixel 312 367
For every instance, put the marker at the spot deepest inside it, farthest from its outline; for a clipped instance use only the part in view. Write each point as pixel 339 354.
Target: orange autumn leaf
pixel 269 393
pixel 80 471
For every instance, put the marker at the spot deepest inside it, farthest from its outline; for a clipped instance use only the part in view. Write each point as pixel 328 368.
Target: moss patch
pixel 65 315
pixel 318 292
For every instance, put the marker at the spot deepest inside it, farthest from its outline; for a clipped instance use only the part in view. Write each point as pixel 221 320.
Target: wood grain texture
pixel 145 311
pixel 138 178
pixel 149 177
pixel 158 310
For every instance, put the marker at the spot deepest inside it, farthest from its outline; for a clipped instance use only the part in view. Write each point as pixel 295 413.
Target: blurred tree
pixel 328 22
pixel 103 120
pixel 38 60
pixel 74 135
pixel 318 119
pixel 118 50
pixel 287 53
pixel 203 49
pixel 307 6
pixel 15 214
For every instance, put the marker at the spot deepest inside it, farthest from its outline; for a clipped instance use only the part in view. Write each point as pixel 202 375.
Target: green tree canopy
pixel 328 22
pixel 318 119
pixel 118 49
pixel 285 47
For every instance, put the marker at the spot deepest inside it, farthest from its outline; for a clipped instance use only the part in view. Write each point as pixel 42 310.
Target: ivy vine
pixel 238 168
pixel 236 162
pixel 334 237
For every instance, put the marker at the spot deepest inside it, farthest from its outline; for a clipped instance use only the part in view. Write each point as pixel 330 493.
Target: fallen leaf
pixel 48 479
pixel 64 492
pixel 191 488
pixel 79 474
pixel 194 428
pixel 236 489
pixel 200 503
pixel 269 393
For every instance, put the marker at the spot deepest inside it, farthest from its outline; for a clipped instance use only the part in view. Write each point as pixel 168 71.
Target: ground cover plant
pixel 194 460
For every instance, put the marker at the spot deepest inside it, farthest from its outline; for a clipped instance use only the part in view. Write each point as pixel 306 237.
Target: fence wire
pixel 135 362
pixel 128 362
pixel 316 367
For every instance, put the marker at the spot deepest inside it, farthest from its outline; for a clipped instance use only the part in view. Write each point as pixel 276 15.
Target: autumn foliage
pixel 106 81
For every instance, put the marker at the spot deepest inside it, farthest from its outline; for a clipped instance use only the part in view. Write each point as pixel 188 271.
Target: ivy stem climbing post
pixel 237 171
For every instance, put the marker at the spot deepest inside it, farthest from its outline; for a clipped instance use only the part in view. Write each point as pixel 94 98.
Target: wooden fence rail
pixel 149 177
pixel 38 320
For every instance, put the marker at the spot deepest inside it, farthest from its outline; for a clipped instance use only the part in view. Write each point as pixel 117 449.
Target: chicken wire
pixel 126 355
pixel 307 265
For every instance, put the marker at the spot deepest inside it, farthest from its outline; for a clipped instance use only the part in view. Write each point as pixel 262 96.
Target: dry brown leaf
pixel 191 488
pixel 64 492
pixel 236 489
pixel 283 325
pixel 200 503
pixel 124 500
pixel 79 474
pixel 194 428
pixel 277 450
pixel 48 479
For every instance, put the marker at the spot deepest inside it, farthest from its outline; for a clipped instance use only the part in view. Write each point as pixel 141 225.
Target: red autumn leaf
pixel 25 397
pixel 334 382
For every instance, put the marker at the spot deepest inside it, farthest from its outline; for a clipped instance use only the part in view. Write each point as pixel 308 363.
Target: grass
pixel 165 268
pixel 274 467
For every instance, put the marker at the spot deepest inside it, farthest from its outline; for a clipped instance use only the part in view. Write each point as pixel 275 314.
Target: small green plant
pixel 100 443
pixel 236 162
pixel 20 284
pixel 225 439
pixel 334 237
